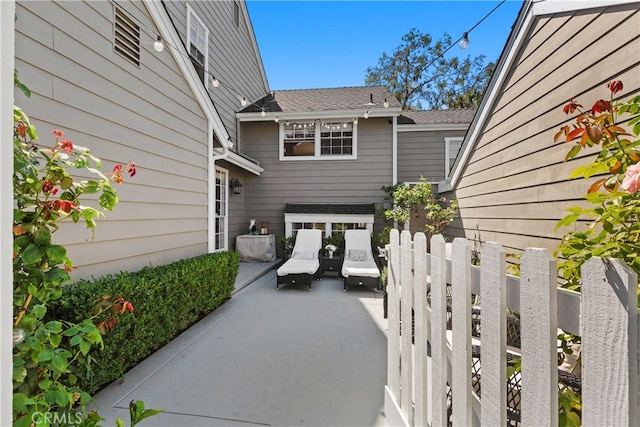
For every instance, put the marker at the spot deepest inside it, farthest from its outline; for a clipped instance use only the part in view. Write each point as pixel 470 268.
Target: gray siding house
pixel 196 115
pixel 510 179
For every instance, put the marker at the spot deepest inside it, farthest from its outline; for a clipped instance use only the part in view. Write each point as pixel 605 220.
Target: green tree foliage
pixel 421 78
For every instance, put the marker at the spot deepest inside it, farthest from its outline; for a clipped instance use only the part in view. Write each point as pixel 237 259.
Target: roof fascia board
pixel 432 127
pixel 548 7
pixel 177 50
pixel 515 41
pixel 243 163
pixel 351 218
pixel 312 115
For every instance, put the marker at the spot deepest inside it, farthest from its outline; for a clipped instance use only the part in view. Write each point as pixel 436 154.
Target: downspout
pixel 394 151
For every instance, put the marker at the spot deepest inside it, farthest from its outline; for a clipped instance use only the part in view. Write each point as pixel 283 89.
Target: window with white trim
pixel 221 213
pixel 451 149
pixel 198 44
pixel 304 140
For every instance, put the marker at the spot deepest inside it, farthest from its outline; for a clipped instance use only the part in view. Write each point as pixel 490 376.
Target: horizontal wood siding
pixel 319 181
pixel 423 154
pixel 121 112
pixel 515 185
pixel 232 57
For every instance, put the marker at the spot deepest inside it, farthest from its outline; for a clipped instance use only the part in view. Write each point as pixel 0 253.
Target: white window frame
pixel 224 191
pixel 191 14
pixel 328 220
pixel 448 161
pixel 318 136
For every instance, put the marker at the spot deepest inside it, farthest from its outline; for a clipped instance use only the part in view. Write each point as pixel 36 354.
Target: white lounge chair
pixel 359 267
pixel 304 264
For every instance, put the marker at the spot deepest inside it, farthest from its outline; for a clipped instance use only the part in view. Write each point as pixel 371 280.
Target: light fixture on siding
pixel 236 186
pixel 464 43
pixel 158 45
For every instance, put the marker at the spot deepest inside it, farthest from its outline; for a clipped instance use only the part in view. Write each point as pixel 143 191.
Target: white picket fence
pixel 605 315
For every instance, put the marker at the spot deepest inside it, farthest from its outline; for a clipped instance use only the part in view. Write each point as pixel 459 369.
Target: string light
pixel 215 82
pixel 464 43
pixel 158 44
pixel 243 101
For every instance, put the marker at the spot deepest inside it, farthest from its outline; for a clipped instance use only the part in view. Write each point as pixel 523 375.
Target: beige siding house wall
pixel 334 181
pixel 511 181
pixel 121 111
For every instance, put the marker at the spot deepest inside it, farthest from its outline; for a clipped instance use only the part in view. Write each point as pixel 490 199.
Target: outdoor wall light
pixel 236 186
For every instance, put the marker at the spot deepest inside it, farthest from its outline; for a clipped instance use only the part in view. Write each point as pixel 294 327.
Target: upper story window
pixel 198 43
pixel 451 148
pixel 304 140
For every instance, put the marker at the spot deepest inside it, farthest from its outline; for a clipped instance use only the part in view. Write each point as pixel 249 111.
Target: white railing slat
pixel 406 346
pixel 439 330
pixel 609 343
pixel 392 389
pixel 538 319
pixel 461 330
pixel 421 327
pixel 494 335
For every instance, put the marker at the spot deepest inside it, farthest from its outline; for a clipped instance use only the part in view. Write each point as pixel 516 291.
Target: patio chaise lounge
pixel 359 267
pixel 304 264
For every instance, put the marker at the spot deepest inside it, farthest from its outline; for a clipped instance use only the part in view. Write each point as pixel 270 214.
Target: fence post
pixel 493 280
pixel 421 399
pixel 539 320
pixel 406 326
pixel 609 343
pixel 439 330
pixel 461 329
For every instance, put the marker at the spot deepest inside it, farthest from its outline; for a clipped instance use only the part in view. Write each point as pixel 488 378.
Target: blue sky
pixel 317 44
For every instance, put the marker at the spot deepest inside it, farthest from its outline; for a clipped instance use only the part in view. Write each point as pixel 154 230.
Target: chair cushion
pixel 304 255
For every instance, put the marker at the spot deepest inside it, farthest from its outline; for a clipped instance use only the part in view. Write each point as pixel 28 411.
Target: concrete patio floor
pixel 285 357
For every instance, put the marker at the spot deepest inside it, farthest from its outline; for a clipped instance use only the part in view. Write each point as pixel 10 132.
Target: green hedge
pixel 166 299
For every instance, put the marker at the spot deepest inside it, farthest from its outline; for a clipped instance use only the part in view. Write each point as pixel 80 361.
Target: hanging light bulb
pixel 385 104
pixel 158 44
pixel 215 82
pixel 366 114
pixel 243 101
pixel 263 113
pixel 355 121
pixel 277 119
pixel 464 43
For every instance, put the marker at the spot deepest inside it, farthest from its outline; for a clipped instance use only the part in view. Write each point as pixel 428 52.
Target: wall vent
pixel 126 37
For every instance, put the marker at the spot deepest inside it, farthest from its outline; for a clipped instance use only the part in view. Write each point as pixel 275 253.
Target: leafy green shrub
pixel 167 300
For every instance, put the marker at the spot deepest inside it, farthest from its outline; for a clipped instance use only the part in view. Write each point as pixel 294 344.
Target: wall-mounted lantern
pixel 236 186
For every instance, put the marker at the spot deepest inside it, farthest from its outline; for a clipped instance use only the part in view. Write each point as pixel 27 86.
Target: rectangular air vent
pixel 126 37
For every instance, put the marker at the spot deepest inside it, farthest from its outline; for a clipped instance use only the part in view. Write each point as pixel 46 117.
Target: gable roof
pixel 342 101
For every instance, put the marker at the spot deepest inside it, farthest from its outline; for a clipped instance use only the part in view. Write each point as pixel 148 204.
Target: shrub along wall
pixel 166 299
